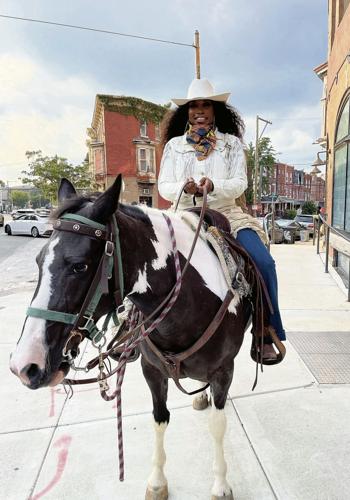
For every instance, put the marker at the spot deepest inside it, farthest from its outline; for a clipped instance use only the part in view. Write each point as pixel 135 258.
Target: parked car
pixel 1 219
pixel 291 226
pixel 306 221
pixel 22 211
pixel 31 225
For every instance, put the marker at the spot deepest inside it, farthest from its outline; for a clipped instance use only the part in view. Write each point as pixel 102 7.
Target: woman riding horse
pixel 203 147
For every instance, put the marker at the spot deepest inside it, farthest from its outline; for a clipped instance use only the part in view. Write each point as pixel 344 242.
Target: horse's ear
pixel 66 190
pixel 107 203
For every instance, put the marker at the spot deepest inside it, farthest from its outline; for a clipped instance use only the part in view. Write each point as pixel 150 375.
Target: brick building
pixel 335 130
pixel 124 138
pixel 296 185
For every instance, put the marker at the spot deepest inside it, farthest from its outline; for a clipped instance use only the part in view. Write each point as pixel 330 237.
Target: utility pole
pixel 258 170
pixel 198 54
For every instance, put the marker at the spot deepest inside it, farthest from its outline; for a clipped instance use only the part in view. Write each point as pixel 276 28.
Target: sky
pixel 262 51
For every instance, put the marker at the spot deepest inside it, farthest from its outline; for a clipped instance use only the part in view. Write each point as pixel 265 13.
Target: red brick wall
pixel 120 150
pixel 120 130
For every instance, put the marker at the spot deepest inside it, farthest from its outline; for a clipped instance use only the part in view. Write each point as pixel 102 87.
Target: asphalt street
pixel 17 261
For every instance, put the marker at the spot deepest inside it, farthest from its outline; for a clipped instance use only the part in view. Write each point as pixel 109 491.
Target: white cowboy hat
pixel 199 89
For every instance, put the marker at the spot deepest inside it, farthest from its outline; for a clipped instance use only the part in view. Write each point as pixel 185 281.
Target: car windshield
pixel 305 218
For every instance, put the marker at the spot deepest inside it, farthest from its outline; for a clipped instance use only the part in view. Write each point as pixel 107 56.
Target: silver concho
pixel 98 232
pixel 76 227
pixel 57 223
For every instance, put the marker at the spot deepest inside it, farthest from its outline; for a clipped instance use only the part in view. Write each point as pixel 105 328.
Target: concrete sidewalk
pixel 290 439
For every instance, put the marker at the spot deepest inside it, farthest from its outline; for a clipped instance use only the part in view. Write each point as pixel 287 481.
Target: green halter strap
pixel 100 283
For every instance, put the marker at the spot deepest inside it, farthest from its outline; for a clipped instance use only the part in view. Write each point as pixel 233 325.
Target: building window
pixel 143 129
pixel 341 180
pixel 146 160
pixel 157 131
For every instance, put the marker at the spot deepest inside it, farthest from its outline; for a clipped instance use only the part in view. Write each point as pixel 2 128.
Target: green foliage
pixel 19 198
pixel 267 159
pixel 45 173
pixel 309 207
pixel 38 200
pixel 290 214
pixel 2 184
pixel 142 110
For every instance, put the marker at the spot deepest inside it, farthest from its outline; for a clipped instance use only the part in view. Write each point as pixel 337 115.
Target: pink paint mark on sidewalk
pixel 60 390
pixel 52 404
pixel 63 443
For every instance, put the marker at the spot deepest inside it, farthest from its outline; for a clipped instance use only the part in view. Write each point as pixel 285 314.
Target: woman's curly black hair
pixel 227 121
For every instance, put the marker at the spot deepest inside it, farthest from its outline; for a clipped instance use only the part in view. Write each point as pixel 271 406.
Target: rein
pixel 84 325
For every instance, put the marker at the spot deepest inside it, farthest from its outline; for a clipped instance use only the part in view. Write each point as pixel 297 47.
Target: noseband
pixel 83 324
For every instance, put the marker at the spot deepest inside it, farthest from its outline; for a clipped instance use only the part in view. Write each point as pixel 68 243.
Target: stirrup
pixel 256 354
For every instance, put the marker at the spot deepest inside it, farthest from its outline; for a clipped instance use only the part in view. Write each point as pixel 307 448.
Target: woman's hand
pixel 207 183
pixel 191 186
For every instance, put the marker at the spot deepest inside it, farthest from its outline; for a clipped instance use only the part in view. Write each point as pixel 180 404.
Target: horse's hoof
pixel 225 497
pixel 157 493
pixel 200 402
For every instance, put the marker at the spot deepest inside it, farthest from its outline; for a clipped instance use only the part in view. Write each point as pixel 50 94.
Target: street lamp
pixel 315 170
pixel 257 169
pixel 318 162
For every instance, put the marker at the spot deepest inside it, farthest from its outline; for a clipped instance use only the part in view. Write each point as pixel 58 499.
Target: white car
pixel 31 225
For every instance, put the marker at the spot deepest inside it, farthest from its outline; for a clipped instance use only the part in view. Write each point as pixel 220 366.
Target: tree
pixel 45 173
pixel 19 198
pixel 309 207
pixel 38 200
pixel 2 184
pixel 267 159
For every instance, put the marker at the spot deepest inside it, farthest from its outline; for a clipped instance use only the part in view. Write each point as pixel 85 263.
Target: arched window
pixel 341 180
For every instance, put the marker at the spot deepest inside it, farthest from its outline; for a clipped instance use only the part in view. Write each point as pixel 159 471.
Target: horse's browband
pixel 78 224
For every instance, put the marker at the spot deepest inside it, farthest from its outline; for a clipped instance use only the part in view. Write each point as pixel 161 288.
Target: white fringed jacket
pixel 225 166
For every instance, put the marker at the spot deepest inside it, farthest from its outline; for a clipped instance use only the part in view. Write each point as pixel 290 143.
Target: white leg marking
pixel 157 478
pixel 217 427
pixel 31 348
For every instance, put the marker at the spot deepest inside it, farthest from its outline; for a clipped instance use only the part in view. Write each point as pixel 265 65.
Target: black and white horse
pixel 67 264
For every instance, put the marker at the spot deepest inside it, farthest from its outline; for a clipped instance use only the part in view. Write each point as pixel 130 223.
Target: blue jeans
pixel 251 242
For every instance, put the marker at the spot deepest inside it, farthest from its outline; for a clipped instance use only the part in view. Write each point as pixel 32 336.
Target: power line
pixel 310 118
pixel 86 28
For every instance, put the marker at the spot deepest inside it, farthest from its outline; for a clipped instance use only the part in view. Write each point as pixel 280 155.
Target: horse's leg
pixel 157 486
pixel 217 424
pixel 200 400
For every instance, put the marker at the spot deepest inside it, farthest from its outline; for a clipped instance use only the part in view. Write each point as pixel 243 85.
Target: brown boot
pixel 269 355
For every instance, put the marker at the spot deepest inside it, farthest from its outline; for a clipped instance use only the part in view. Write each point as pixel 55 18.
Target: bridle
pixel 110 264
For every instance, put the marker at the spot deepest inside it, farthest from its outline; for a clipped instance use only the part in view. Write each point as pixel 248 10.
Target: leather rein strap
pixel 172 361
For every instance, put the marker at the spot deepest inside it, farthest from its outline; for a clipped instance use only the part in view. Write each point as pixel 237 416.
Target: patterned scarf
pixel 203 139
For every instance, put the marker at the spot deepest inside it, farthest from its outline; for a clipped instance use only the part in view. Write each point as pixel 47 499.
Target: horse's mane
pixel 74 204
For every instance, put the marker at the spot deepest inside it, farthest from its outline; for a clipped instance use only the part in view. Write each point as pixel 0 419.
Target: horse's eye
pixel 80 267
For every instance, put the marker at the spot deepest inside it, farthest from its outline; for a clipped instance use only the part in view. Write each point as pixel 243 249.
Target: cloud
pixel 291 134
pixel 41 110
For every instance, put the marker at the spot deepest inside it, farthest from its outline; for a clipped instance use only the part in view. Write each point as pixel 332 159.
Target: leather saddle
pixel 260 299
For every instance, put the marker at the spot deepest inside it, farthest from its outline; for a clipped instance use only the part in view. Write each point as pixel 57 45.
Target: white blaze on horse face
pixel 31 348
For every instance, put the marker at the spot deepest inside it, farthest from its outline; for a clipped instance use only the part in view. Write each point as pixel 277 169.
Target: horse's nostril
pixel 30 373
